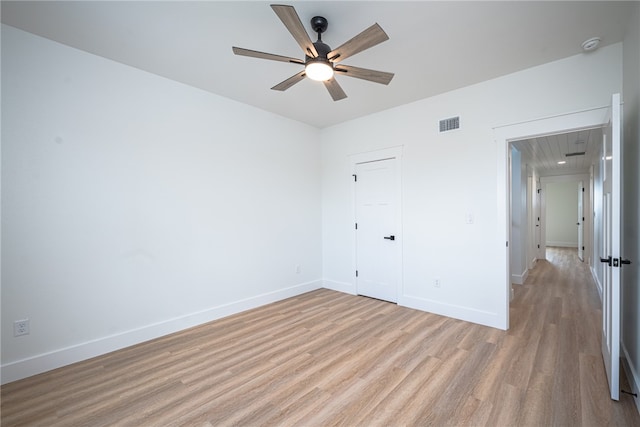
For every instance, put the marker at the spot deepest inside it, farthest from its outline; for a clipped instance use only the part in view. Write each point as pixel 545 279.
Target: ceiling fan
pixel 321 62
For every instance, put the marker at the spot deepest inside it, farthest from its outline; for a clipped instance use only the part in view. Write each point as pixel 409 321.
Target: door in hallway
pixel 377 205
pixel 610 252
pixel 580 221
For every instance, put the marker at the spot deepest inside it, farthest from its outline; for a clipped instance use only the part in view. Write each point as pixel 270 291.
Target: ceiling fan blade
pixel 291 20
pixel 263 55
pixel 381 77
pixel 366 39
pixel 290 81
pixel 334 89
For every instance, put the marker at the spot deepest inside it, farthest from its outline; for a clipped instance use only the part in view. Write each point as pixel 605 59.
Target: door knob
pixel 392 237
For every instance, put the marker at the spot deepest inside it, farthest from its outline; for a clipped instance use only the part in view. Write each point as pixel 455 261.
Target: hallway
pixel 557 311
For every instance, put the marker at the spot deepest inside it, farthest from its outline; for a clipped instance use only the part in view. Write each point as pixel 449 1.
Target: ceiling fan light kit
pixel 319 70
pixel 321 63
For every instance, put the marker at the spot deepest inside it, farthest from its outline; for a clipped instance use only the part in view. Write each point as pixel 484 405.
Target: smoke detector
pixel 591 44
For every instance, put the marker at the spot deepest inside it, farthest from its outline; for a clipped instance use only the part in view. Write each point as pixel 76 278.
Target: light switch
pixel 468 218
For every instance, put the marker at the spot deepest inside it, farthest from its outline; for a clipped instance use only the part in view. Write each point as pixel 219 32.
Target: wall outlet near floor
pixel 21 327
pixel 298 269
pixel 436 283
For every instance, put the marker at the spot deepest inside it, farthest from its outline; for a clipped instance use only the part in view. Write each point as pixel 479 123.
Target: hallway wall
pixel 561 202
pixel 631 197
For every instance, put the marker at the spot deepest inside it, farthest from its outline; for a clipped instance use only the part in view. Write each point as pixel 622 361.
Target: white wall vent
pixel 449 124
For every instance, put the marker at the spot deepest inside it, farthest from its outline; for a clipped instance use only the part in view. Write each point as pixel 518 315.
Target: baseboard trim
pixel 597 282
pixel 632 375
pixel 347 288
pixel 573 245
pixel 24 368
pixel 485 318
pixel 519 279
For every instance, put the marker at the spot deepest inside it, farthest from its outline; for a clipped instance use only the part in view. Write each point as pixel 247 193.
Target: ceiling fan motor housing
pixel 322 49
pixel 319 24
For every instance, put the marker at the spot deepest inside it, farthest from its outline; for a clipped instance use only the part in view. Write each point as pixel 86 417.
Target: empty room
pixel 319 213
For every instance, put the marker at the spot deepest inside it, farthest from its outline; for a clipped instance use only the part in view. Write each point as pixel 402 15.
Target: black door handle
pixel 392 237
pixel 625 261
pixel 607 260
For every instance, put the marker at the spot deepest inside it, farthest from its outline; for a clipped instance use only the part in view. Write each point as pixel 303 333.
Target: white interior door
pixel 611 249
pixel 377 229
pixel 580 221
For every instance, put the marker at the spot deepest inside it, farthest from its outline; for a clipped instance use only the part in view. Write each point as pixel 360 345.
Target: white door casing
pixel 503 136
pixel 377 224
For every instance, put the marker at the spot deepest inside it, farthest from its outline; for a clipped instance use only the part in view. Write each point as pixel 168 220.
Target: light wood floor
pixel 326 358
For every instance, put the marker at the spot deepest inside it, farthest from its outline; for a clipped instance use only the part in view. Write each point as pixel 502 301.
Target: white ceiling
pixel 434 47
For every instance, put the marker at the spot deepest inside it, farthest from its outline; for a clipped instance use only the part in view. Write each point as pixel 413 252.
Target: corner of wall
pixel 347 288
pixel 632 376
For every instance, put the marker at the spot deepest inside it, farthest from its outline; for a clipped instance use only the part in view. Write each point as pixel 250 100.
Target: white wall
pixel 561 203
pixel 631 202
pixel 134 206
pixel 445 176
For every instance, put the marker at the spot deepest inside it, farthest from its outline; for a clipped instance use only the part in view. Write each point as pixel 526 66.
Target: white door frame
pixel 503 136
pixel 372 156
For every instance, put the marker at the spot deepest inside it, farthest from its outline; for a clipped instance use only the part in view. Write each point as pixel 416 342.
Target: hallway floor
pixel 557 311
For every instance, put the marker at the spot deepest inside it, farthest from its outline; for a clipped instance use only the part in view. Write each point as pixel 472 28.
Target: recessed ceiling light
pixel 591 44
pixel 562 162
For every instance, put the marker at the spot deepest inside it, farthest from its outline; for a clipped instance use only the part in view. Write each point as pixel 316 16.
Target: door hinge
pixel 539 190
pixel 507 244
pixel 538 246
pixel 356 273
pixel 356 225
pixel 583 189
pixel 582 219
pixel 583 248
pixel 355 177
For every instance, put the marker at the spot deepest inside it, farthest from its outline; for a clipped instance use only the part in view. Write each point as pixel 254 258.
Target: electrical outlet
pixel 21 327
pixel 298 269
pixel 436 283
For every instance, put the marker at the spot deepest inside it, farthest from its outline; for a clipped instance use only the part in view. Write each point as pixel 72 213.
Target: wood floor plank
pixel 330 359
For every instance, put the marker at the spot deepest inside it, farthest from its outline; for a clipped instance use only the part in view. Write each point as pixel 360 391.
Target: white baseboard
pixel 519 279
pixel 45 362
pixel 347 288
pixel 467 314
pixel 563 244
pixel 598 284
pixel 632 375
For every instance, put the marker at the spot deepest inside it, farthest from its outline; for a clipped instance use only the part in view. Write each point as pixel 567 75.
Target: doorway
pixel 377 224
pixel 504 136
